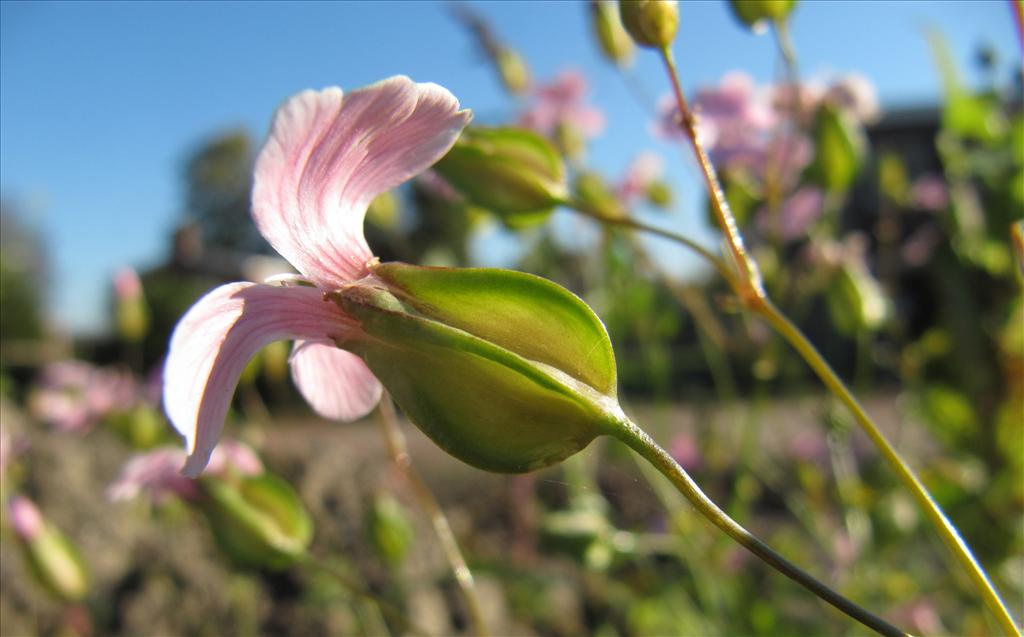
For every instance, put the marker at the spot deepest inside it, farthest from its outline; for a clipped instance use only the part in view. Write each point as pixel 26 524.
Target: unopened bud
pixel 389 530
pixel 259 521
pixel 515 75
pixel 506 170
pixel 754 13
pixel 52 559
pixel 651 23
pixel 132 313
pixel 615 43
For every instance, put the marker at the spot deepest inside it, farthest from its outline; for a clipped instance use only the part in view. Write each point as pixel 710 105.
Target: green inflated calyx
pixel 506 170
pixel 259 521
pixel 506 371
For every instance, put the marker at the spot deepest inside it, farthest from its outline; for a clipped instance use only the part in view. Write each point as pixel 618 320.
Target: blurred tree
pixel 218 178
pixel 22 278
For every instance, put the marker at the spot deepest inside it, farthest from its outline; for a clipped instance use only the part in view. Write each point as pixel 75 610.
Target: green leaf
pixel 839 149
pixel 506 170
pixel 525 314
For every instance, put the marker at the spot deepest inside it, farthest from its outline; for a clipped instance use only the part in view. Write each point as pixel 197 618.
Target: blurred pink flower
pixel 796 216
pixel 328 155
pixel 158 473
pixel 74 395
pixel 808 446
pixel 127 285
pixel 646 168
pixel 563 101
pixel 919 246
pixel 855 93
pixel 929 192
pixel 26 520
pixel 686 451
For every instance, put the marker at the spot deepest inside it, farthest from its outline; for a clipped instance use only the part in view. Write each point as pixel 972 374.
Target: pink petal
pixel 328 156
pixel 217 337
pixel 336 383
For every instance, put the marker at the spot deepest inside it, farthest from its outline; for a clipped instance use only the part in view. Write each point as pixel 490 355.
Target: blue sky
pixel 100 102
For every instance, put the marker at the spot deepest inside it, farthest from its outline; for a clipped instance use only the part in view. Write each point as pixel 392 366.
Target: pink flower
pixel 686 451
pixel 74 395
pixel 26 520
pixel 158 472
pixel 797 215
pixel 929 192
pixel 564 102
pixel 326 158
pixel 856 94
pixel 646 168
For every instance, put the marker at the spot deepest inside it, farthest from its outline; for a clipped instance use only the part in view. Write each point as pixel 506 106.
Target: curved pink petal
pixel 216 338
pixel 329 155
pixel 337 384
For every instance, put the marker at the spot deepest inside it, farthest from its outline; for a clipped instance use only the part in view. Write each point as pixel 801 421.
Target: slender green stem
pixel 753 296
pixel 629 222
pixel 399 453
pixel 640 442
pixel 931 508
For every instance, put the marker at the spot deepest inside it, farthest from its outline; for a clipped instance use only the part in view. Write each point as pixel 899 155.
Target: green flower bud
pixel 506 170
pixel 389 530
pixel 754 13
pixel 840 146
pixel 595 194
pixel 505 371
pixel 652 23
pixel 616 45
pixel 53 560
pixel 659 194
pixel 515 75
pixel 258 521
pixel 856 301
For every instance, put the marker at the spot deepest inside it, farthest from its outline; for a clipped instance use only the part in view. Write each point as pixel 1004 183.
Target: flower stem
pixel 629 222
pixel 754 298
pixel 644 445
pixel 947 531
pixel 399 453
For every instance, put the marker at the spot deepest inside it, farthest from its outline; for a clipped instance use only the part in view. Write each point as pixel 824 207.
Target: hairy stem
pixel 399 453
pixel 751 292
